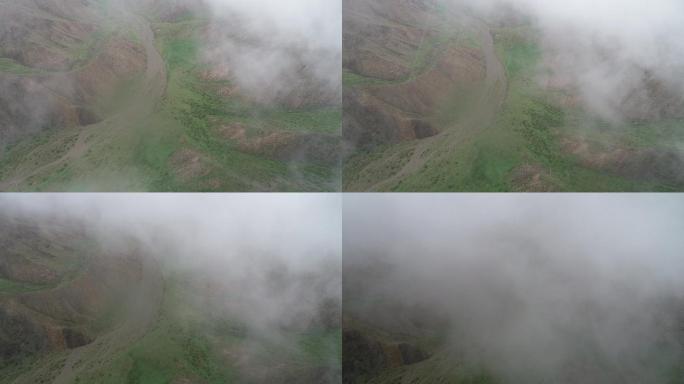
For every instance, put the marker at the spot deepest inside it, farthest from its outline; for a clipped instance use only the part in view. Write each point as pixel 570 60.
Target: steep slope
pixel 402 60
pixel 509 128
pixel 60 292
pixel 57 60
pixel 390 340
pixel 83 306
pixel 116 95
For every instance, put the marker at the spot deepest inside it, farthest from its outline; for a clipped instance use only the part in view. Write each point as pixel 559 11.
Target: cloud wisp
pixel 266 253
pixel 625 58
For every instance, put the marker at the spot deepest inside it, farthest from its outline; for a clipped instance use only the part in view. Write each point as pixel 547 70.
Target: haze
pixel 301 44
pixel 611 50
pixel 238 243
pixel 562 288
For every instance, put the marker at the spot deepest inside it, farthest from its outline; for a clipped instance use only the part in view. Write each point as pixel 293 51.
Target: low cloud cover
pixel 275 259
pixel 562 288
pixel 624 57
pixel 273 49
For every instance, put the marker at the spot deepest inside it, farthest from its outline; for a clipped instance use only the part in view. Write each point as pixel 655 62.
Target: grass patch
pixel 320 347
pixel 180 53
pixel 137 153
pixel 13 287
pixel 523 134
pixel 351 79
pixel 320 120
pixel 195 104
pixel 12 66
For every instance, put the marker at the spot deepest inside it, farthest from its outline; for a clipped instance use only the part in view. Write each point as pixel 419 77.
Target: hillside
pixel 117 95
pixel 513 289
pixel 60 292
pixel 75 309
pixel 441 97
pixel 387 340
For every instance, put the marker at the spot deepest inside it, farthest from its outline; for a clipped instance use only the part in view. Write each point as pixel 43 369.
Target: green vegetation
pixel 180 146
pixel 351 79
pixel 322 120
pixel 518 51
pixel 12 287
pixel 425 57
pixel 79 54
pixel 434 370
pixel 10 65
pixel 442 365
pixel 193 342
pixel 519 150
pixel 175 349
pixel 320 347
pixel 195 104
pixel 83 53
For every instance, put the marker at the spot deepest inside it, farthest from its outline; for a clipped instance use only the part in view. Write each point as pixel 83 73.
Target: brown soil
pixel 299 85
pixel 284 145
pixel 649 164
pixel 31 34
pixel 62 315
pixel 457 67
pixel 56 95
pixel 28 252
pixel 98 313
pixel 58 99
pixel 651 99
pixel 487 101
pixel 189 165
pixel 120 59
pixel 531 178
pixel 382 40
pixel 381 37
pixel 235 131
pixel 364 354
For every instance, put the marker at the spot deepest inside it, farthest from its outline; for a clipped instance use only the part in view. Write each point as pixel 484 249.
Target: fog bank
pixel 277 51
pixel 273 261
pixel 625 58
pixel 535 288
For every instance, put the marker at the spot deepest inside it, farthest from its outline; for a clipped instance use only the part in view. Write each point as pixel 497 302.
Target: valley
pixel 75 309
pixel 117 96
pixel 441 98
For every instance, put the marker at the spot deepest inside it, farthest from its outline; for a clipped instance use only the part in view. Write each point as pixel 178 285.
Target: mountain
pixel 118 95
pixel 77 306
pixel 441 96
pixel 390 337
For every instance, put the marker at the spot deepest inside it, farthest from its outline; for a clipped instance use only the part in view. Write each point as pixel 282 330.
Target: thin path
pixel 490 102
pixel 142 314
pixel 153 88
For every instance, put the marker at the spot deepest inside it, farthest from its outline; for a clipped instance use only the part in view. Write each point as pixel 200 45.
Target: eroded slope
pixel 520 127
pixel 120 95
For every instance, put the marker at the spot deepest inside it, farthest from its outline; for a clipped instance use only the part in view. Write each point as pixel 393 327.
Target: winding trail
pixel 490 102
pixel 152 90
pixel 143 309
pixel 142 314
